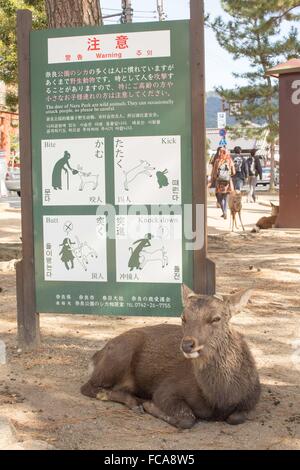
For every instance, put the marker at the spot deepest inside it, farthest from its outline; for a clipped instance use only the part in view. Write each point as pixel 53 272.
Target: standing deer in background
pixel 235 207
pixel 202 370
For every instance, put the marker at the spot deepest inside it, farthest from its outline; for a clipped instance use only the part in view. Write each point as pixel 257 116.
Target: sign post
pixel 289 110
pixel 28 318
pixel 204 269
pixel 117 138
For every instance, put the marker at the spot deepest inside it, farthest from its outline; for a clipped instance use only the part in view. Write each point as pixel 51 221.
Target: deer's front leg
pixel 119 396
pixel 169 406
pixel 182 418
pixel 236 418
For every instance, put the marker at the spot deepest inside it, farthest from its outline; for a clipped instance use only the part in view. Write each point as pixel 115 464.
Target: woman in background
pixel 212 161
pixel 222 174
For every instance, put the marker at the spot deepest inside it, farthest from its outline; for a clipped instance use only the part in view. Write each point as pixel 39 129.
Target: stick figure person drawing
pixel 135 261
pixel 62 165
pixel 66 253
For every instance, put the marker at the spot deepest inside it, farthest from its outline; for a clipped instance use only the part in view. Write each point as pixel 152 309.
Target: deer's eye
pixel 216 319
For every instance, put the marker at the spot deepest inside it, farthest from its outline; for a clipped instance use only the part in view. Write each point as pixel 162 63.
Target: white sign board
pixel 140 45
pixel 73 172
pixel 147 170
pixel 221 120
pixel 75 248
pixel 149 249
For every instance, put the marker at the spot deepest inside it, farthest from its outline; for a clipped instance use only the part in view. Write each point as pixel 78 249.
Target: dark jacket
pixel 253 163
pixel 241 167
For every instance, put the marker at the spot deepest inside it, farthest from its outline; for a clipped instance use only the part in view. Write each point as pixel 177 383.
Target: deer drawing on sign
pixel 157 256
pixel 87 179
pixel 143 168
pixel 83 252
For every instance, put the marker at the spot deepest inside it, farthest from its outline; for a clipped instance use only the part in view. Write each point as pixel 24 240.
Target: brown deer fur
pixel 266 223
pixel 202 370
pixel 235 207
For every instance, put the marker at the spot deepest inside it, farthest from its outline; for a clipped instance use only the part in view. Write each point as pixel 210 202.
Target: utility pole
pixel 127 11
pixel 160 10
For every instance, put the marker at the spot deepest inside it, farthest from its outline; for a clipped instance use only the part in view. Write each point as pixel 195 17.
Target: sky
pixel 219 64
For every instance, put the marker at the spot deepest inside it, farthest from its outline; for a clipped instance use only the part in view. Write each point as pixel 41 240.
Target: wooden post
pixel 288 74
pixel 204 269
pixel 127 9
pixel 28 319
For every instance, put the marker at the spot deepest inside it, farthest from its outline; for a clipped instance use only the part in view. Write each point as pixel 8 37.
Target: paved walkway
pixel 10 224
pixel 10 217
pixel 251 213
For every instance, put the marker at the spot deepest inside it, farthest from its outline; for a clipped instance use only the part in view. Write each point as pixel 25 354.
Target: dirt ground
pixel 39 392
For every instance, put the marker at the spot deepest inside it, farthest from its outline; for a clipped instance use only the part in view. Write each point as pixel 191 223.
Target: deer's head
pixel 275 209
pixel 205 321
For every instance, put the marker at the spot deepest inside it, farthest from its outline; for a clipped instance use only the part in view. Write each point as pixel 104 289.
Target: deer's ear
pixel 186 294
pixel 238 301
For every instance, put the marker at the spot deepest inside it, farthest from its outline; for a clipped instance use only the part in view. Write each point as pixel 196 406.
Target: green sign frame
pixel 51 86
pixel 158 73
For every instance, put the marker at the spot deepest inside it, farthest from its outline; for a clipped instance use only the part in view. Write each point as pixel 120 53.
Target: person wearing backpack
pixel 215 157
pixel 222 174
pixel 254 170
pixel 241 169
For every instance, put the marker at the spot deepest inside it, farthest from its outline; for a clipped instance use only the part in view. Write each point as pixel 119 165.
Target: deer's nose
pixel 188 345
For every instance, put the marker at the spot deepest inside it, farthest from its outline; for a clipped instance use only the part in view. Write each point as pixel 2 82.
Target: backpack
pixel 251 167
pixel 224 173
pixel 238 164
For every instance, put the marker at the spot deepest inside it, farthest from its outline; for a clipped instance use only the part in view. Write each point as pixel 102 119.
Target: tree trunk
pixel 73 13
pixel 272 176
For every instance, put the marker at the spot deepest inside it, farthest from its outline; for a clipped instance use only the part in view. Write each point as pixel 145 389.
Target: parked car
pixel 12 179
pixel 264 183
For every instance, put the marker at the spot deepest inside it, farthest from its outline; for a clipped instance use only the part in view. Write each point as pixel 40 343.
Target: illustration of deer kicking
pixel 87 178
pixel 160 255
pixel 143 168
pixel 83 252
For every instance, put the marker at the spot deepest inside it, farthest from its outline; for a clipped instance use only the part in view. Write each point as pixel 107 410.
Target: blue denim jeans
pixel 237 183
pixel 222 199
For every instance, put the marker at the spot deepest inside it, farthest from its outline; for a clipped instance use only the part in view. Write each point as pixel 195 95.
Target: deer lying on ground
pixel 235 207
pixel 202 370
pixel 266 223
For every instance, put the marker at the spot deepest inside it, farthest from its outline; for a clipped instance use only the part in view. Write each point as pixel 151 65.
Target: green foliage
pixel 280 9
pixel 254 32
pixel 12 101
pixel 8 46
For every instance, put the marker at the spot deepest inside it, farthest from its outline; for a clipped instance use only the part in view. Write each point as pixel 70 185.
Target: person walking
pixel 3 169
pixel 215 157
pixel 212 162
pixel 222 174
pixel 254 170
pixel 241 169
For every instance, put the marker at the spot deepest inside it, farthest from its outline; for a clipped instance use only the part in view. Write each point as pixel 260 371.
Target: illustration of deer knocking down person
pixel 202 370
